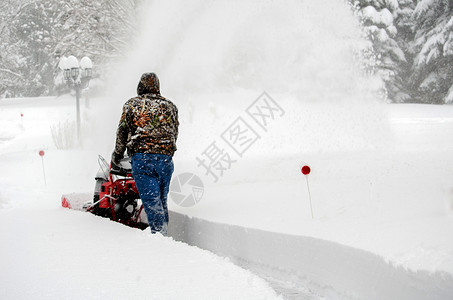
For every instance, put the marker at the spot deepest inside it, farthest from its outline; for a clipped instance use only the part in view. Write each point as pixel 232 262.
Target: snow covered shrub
pixel 64 134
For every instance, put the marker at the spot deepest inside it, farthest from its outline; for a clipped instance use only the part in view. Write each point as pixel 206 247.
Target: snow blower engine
pixel 115 195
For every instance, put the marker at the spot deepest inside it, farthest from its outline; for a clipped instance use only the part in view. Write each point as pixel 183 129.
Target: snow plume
pixel 301 47
pixel 229 52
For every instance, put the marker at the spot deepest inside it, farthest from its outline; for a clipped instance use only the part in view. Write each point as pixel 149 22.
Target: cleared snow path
pixel 326 268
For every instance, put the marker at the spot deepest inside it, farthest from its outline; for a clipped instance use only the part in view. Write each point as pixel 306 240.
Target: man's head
pixel 149 84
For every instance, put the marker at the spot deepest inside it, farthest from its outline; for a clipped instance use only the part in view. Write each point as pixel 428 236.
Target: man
pixel 148 128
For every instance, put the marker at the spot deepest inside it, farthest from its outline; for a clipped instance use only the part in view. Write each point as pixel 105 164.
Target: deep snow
pixel 393 200
pixel 49 252
pixel 385 187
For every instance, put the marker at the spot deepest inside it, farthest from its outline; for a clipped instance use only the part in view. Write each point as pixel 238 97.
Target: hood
pixel 149 84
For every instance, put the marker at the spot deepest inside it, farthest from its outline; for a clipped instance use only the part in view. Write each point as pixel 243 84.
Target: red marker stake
pixel 306 170
pixel 41 153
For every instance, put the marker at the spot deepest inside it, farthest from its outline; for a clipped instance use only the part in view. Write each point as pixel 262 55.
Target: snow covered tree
pixel 432 78
pixel 385 21
pixel 404 37
pixel 25 35
pixel 99 29
pixel 35 34
pixel 414 41
pixel 31 36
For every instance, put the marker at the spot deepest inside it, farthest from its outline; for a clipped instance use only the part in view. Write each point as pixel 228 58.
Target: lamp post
pixel 77 75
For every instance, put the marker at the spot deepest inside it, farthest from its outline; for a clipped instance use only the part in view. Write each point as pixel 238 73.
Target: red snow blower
pixel 115 196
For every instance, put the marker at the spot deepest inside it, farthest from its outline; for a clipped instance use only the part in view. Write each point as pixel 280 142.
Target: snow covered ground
pixel 381 181
pixel 49 252
pixel 393 200
pixel 386 188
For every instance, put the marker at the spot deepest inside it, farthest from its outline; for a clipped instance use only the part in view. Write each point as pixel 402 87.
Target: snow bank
pixel 326 268
pixel 63 254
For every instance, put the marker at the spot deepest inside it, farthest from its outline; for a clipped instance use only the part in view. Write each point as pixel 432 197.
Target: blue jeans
pixel 152 174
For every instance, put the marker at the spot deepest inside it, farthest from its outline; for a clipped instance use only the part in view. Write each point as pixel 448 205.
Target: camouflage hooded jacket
pixel 149 122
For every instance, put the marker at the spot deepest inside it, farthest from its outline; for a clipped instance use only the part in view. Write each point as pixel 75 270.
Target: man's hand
pixel 116 159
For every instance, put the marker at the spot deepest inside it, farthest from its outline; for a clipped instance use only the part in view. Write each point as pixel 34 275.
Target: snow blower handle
pixel 117 170
pixel 112 165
